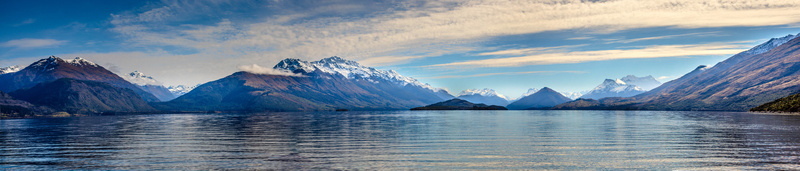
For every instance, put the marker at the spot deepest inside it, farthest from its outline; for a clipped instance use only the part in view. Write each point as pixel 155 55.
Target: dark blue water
pixel 398 140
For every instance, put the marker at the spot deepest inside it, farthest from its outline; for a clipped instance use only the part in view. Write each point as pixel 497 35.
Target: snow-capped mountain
pixel 769 45
pixel 646 83
pixel 485 96
pixel 9 69
pixel 573 95
pixel 349 69
pixel 141 79
pixel 613 88
pixel 180 90
pixel 150 85
pixel 530 91
pixel 325 85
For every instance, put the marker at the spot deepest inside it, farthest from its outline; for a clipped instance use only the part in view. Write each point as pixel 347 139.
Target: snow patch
pixel 10 69
pixel 141 79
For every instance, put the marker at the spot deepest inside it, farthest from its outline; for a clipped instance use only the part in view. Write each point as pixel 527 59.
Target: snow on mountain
pixel 180 89
pixel 646 83
pixel 485 96
pixel 349 69
pixel 140 79
pixel 573 95
pixel 530 91
pixel 613 88
pixel 482 92
pixel 10 69
pixel 769 45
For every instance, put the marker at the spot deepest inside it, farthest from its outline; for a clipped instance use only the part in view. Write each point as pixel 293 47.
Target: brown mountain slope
pixel 81 96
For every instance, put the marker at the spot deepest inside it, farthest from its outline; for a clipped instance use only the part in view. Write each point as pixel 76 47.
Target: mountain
pixel 81 96
pixel 485 96
pixel 529 92
pixel 9 69
pixel 180 90
pixel 150 85
pixel 328 84
pixel 53 68
pixel 543 98
pixel 613 88
pixel 786 104
pixel 646 83
pixel 459 104
pixel 746 80
pixel 573 95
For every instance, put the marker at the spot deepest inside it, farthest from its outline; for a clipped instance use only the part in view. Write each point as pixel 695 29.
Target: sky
pixel 508 46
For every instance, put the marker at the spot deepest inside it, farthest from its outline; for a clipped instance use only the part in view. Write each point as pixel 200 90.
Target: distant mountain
pixel 529 92
pixel 180 90
pixel 9 69
pixel 485 96
pixel 613 88
pixel 646 83
pixel 746 80
pixel 573 95
pixel 543 98
pixel 150 85
pixel 786 104
pixel 81 96
pixel 53 68
pixel 459 104
pixel 328 84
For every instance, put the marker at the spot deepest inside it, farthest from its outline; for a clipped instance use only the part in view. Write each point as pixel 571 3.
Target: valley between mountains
pixel 56 86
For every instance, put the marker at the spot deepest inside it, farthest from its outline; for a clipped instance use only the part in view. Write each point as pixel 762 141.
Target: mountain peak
pixel 140 78
pixel 646 82
pixel 548 89
pixel 770 44
pixel 482 92
pixel 10 69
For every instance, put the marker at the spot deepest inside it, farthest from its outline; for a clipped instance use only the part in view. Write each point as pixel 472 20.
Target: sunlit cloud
pixel 662 37
pixel 660 51
pixel 435 25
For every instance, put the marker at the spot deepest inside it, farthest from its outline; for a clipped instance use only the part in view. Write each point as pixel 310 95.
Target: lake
pixel 406 140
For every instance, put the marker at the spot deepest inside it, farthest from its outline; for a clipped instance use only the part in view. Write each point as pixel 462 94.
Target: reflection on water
pixel 428 140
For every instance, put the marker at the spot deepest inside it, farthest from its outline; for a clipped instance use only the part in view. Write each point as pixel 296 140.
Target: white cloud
pixel 660 51
pixel 663 77
pixel 257 69
pixel 32 43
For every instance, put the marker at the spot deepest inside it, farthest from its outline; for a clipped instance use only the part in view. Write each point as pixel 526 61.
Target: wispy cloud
pixel 663 77
pixel 500 73
pixel 26 22
pixel 32 43
pixel 662 37
pixel 601 55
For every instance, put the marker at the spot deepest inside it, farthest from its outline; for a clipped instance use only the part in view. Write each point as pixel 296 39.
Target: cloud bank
pixel 257 69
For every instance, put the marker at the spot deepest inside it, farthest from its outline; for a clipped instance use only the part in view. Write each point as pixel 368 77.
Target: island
pixel 459 104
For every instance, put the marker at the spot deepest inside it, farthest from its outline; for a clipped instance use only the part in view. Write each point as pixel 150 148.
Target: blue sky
pixel 509 46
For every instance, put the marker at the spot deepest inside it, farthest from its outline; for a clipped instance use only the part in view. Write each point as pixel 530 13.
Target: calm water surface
pixel 402 140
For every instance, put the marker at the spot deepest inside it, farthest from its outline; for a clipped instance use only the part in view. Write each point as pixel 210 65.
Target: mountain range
pixel 53 68
pixel 748 79
pixel 765 73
